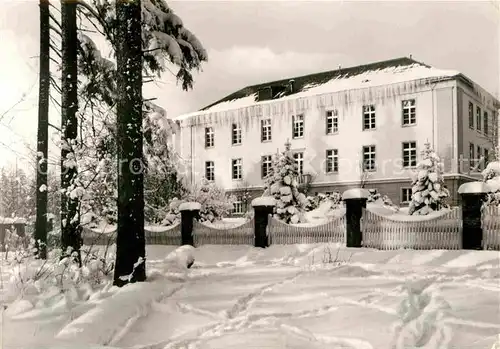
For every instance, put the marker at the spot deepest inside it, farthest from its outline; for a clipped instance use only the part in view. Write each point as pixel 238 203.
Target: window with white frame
pixel 236 134
pixel 299 160
pixel 486 124
pixel 332 122
pixel 405 195
pixel 267 162
pixel 298 126
pixel 478 118
pixel 471 115
pixel 265 130
pixel 209 170
pixel 209 137
pixel 486 156
pixel 238 207
pixel 409 108
pixel 369 158
pixel 369 117
pixel 332 161
pixel 409 154
pixel 236 168
pixel 471 155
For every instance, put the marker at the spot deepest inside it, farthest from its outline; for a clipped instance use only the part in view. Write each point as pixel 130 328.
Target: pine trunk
pixel 43 131
pixel 70 222
pixel 130 244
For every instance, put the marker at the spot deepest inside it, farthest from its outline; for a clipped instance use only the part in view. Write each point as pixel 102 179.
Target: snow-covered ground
pixel 291 296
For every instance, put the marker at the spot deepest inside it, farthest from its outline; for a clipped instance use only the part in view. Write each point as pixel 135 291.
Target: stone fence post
pixel 355 201
pixel 473 195
pixel 263 207
pixel 189 212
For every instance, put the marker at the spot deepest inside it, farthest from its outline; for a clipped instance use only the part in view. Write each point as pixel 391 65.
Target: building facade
pixel 363 125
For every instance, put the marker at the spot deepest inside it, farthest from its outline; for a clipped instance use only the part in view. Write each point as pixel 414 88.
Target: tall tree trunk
pixel 130 244
pixel 43 132
pixel 70 220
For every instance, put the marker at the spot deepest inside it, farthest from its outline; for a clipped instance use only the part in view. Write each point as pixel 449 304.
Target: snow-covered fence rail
pixel 284 234
pixel 415 232
pixel 240 235
pixel 491 228
pixel 163 235
pixel 153 235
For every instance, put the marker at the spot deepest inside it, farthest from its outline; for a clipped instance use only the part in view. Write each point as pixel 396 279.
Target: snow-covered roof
pixel 383 73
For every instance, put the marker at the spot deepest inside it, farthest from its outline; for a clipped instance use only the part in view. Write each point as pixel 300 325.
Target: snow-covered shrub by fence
pixel 421 232
pixel 241 235
pixel 491 228
pixel 283 234
pixel 153 235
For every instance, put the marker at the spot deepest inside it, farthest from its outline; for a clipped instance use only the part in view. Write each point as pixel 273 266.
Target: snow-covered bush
pixel 182 257
pixel 215 203
pixel 58 278
pixel 282 184
pixel 491 176
pixel 314 202
pixel 428 189
pixel 376 198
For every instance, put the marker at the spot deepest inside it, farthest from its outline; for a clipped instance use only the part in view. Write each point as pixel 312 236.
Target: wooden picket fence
pixel 442 232
pixel 280 233
pixel 207 235
pixel 159 236
pixel 491 228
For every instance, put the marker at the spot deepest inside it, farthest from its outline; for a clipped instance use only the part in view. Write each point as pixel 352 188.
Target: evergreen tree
pixel 130 244
pixel 282 184
pixel 70 216
pixel 491 176
pixel 43 130
pixel 428 190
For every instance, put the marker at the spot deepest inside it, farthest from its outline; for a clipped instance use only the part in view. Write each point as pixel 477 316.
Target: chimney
pixel 291 83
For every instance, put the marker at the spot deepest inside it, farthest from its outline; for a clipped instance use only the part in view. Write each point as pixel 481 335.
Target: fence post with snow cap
pixel 263 206
pixel 355 201
pixel 189 212
pixel 473 194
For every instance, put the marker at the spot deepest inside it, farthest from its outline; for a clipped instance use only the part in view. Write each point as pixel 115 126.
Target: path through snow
pixel 286 297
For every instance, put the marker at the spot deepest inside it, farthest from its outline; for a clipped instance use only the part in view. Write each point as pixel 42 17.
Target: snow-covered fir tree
pixel 428 189
pixel 491 176
pixel 282 184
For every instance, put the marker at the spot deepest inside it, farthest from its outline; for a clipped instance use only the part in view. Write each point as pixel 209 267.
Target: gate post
pixel 355 201
pixel 473 195
pixel 189 212
pixel 263 207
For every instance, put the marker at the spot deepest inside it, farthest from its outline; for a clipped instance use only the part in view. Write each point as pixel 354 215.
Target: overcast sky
pixel 255 41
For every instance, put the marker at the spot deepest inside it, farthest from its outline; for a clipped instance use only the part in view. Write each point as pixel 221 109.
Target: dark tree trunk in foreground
pixel 70 221
pixel 130 244
pixel 43 131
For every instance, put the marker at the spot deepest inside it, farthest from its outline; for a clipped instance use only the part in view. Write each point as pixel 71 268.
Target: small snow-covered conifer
pixel 282 184
pixel 428 189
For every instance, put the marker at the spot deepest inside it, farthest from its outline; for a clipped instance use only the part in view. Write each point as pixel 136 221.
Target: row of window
pixel 481 121
pixel 408 118
pixel 409 157
pixel 475 155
